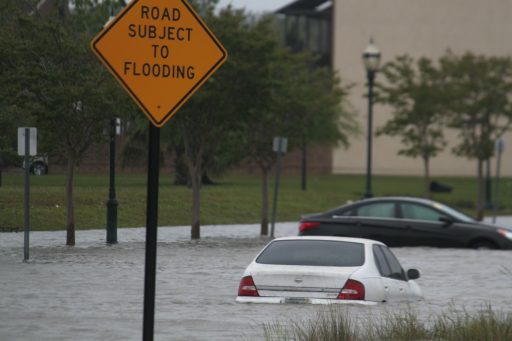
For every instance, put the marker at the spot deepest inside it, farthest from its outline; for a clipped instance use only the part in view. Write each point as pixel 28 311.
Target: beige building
pixel 417 28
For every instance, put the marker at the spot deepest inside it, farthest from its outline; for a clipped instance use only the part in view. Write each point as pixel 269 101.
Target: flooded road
pixel 95 292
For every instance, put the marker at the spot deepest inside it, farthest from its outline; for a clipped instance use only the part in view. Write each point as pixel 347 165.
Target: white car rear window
pixel 313 253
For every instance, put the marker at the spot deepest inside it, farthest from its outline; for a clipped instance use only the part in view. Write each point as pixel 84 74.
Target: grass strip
pixel 336 324
pixel 234 199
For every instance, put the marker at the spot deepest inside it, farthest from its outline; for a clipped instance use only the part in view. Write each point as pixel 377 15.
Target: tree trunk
pixel 63 9
pixel 70 227
pixel 426 181
pixel 196 176
pixel 194 160
pixel 206 180
pixel 481 191
pixel 181 176
pixel 264 203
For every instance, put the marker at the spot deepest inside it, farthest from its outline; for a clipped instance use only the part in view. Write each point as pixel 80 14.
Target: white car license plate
pixel 297 300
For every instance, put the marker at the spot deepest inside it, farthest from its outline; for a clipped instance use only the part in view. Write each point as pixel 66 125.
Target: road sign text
pixel 161 52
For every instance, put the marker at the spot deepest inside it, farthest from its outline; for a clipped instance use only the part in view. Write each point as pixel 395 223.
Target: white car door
pixel 396 286
pixel 396 290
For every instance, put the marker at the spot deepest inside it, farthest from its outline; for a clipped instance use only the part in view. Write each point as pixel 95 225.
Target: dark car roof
pixel 380 199
pixel 416 200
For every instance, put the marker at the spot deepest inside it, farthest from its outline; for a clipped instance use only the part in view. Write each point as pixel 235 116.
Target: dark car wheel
pixel 484 244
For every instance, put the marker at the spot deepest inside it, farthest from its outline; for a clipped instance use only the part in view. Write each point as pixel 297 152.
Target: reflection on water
pixel 95 292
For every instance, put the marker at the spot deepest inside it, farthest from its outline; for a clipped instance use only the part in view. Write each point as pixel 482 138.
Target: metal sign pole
pixel 27 195
pixel 151 232
pixel 276 190
pixel 499 150
pixel 112 203
pixel 280 145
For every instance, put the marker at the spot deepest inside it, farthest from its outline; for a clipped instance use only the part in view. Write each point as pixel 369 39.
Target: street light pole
pixel 368 191
pixel 112 201
pixel 371 59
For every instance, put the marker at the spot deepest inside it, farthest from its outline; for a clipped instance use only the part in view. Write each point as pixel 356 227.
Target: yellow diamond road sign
pixel 161 52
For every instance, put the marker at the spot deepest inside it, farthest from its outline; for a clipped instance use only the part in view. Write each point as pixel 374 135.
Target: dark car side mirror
pixel 447 221
pixel 413 274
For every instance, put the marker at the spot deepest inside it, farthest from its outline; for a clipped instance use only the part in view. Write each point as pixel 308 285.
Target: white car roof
pixel 337 239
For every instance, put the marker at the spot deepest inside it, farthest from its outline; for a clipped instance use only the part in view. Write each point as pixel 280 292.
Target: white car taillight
pixel 353 290
pixel 247 287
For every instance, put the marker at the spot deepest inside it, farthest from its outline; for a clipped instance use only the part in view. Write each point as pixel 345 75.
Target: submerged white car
pixel 325 270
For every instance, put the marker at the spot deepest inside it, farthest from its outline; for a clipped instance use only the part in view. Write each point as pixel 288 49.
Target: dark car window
pixel 396 269
pixel 313 252
pixel 382 264
pixel 454 213
pixel 420 212
pixel 344 213
pixel 377 210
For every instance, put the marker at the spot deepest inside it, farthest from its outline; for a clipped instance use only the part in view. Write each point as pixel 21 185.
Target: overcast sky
pixel 256 5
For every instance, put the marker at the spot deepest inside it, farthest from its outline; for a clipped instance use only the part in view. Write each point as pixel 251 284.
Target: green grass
pixel 336 324
pixel 234 199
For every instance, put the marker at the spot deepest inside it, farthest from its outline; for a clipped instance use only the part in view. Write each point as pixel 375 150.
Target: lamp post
pixel 371 59
pixel 112 202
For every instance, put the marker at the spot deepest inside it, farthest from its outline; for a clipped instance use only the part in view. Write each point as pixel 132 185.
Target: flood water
pixel 95 292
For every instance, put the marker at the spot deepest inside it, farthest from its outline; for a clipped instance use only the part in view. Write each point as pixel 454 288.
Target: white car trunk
pixel 294 281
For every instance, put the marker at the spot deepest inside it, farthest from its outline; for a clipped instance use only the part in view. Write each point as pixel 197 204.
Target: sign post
pixel 499 148
pixel 160 52
pixel 27 146
pixel 151 232
pixel 112 201
pixel 279 146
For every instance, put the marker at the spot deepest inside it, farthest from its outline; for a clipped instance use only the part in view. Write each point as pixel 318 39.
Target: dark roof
pixel 307 8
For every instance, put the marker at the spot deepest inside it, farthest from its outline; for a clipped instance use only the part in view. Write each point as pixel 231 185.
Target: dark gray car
pixel 405 221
